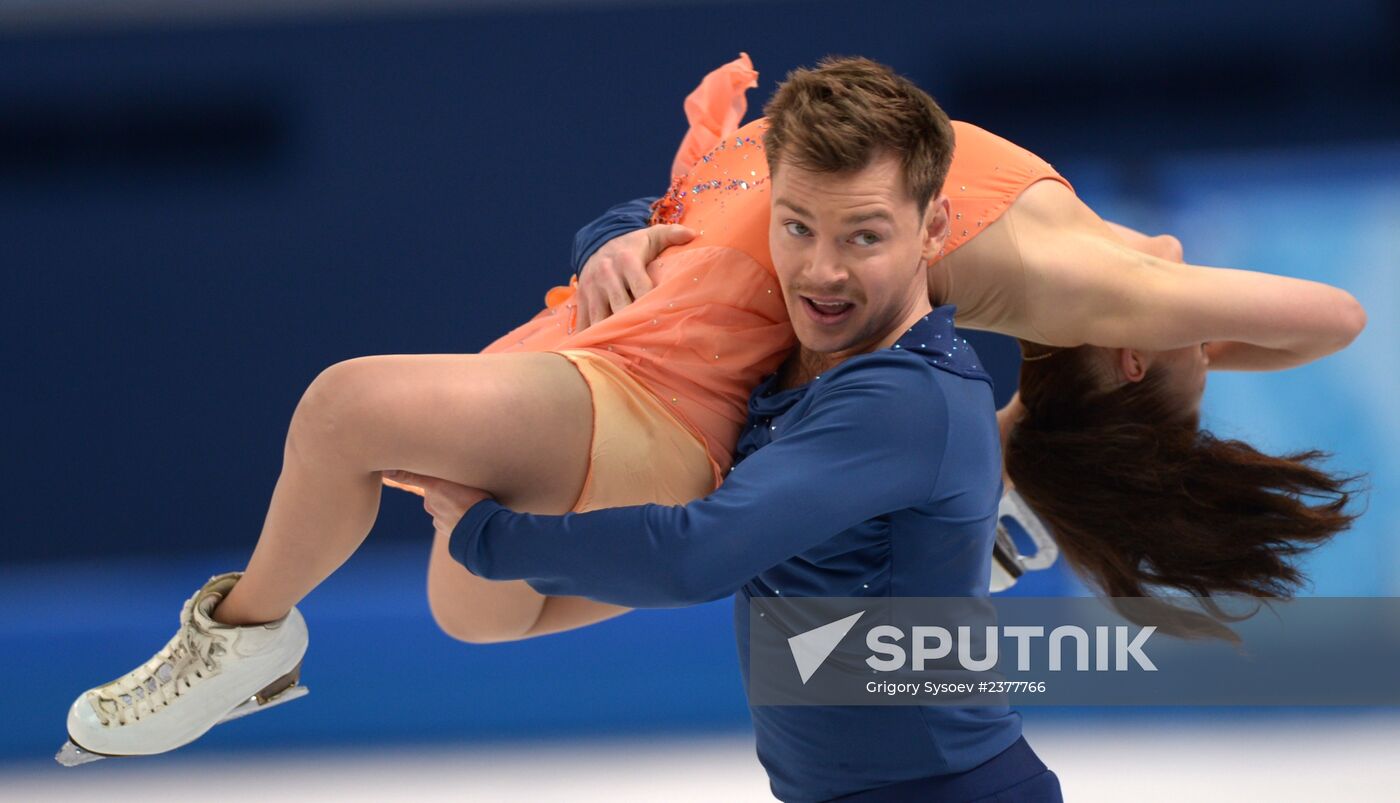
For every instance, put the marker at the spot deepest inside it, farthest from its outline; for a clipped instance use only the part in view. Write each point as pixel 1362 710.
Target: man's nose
pixel 827 266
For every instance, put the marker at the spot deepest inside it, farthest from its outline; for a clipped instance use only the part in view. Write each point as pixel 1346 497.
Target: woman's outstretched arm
pixel 1092 282
pixel 1225 355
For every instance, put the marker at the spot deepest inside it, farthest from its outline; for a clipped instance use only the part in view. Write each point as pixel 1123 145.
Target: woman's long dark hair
pixel 1141 500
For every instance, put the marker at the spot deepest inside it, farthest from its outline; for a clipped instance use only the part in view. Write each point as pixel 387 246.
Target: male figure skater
pixel 870 465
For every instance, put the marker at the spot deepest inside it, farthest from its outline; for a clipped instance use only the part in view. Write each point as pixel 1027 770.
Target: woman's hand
pixel 616 274
pixel 446 501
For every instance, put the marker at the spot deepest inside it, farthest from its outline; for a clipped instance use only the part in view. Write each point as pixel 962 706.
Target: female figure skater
pixel 1102 438
pixel 643 406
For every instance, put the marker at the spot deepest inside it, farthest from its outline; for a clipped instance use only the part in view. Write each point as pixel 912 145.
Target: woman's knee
pixel 468 608
pixel 336 402
pixel 473 625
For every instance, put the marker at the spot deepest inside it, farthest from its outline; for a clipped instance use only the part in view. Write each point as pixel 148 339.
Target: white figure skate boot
pixel 208 673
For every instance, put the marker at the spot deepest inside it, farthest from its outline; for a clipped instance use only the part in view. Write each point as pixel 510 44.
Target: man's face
pixel 850 250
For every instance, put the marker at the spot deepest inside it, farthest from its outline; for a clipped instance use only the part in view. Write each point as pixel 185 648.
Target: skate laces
pixel 189 657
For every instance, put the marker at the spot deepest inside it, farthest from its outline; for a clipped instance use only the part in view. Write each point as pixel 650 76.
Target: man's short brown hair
pixel 840 116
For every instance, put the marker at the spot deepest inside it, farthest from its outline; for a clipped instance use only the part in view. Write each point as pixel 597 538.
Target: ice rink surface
pixel 1265 757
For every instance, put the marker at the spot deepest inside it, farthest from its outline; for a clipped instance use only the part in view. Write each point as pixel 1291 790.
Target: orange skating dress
pixel 715 324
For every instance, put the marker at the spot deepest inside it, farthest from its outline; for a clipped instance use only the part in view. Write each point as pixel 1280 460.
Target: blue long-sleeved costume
pixel 621 219
pixel 879 478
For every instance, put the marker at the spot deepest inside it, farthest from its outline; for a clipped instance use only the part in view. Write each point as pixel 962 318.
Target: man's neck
pixel 803 365
pixel 940 283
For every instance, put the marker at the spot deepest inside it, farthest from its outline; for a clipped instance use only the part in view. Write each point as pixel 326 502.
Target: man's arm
pixel 872 444
pixel 612 257
pixel 617 221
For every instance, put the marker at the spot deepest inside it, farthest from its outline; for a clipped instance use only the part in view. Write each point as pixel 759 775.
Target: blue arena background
pixel 196 217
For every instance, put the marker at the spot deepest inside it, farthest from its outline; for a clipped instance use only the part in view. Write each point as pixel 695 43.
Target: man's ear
pixel 936 228
pixel 1132 365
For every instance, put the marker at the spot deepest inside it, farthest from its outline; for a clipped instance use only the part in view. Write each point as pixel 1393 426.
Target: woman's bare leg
pixel 517 425
pixel 479 611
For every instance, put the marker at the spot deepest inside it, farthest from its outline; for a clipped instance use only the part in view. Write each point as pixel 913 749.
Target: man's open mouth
pixel 827 311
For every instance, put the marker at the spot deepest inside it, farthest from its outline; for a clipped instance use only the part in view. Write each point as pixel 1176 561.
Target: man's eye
pixel 796 229
pixel 866 238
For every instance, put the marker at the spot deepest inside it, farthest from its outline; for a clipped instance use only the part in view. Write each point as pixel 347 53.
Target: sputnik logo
pixel 811 649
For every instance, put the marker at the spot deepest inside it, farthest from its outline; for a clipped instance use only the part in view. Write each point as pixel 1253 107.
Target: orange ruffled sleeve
pixel 714 110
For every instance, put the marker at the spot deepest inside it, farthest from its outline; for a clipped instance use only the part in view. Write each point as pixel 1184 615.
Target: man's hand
pixel 616 274
pixel 447 502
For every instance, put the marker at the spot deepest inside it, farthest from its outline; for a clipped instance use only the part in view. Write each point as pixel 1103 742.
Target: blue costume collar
pixel 932 337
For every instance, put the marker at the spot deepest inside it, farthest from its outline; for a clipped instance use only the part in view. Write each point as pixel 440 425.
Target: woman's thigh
pixel 515 425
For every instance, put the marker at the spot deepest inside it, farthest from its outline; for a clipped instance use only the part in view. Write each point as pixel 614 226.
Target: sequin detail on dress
pixel 686 190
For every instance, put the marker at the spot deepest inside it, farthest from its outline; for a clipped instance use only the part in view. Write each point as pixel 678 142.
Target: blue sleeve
pixel 871 444
pixel 617 221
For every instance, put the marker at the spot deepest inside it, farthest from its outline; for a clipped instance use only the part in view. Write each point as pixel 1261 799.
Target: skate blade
pixel 254 704
pixel 71 755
